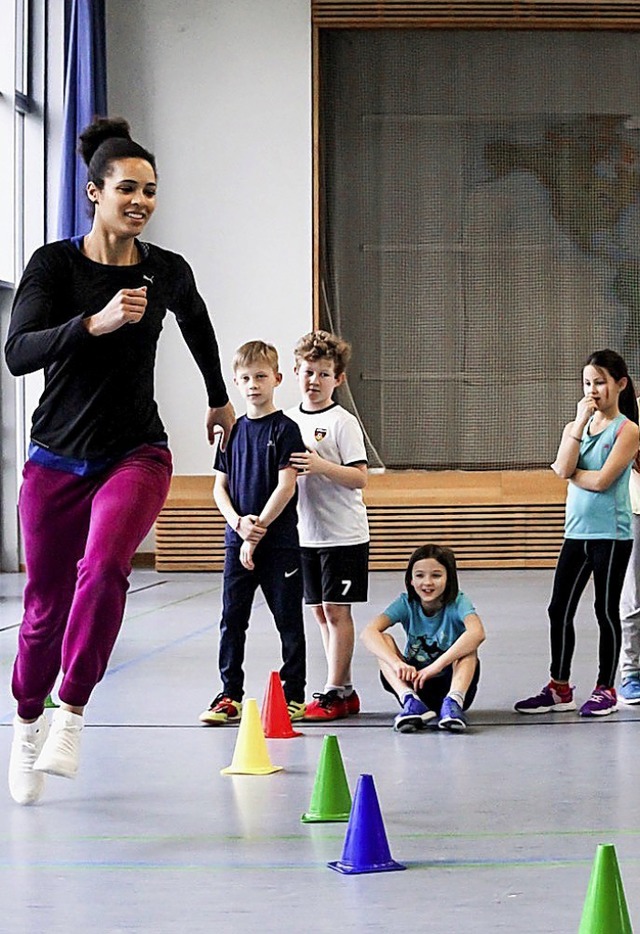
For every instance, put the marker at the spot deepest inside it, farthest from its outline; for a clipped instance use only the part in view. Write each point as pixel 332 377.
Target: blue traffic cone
pixel 365 846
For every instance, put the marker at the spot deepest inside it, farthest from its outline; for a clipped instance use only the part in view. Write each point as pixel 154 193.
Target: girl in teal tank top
pixel 595 455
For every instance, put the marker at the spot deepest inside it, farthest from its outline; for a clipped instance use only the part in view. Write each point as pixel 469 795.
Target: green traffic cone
pixel 330 798
pixel 49 703
pixel 605 907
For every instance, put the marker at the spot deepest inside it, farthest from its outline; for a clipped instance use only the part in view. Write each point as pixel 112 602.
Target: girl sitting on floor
pixel 439 670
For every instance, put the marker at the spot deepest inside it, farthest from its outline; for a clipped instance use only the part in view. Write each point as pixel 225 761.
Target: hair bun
pixel 97 132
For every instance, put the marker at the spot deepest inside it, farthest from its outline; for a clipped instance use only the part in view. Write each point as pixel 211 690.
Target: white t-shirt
pixel 328 513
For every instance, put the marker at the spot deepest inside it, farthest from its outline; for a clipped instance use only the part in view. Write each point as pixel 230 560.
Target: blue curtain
pixel 85 96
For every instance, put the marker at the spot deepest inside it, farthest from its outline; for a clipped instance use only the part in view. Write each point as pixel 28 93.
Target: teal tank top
pixel 599 515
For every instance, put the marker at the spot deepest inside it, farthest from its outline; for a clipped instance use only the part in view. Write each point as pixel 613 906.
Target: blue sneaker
pixel 629 692
pixel 452 716
pixel 413 716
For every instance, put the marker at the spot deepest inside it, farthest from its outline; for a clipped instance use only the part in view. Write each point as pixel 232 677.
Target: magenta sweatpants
pixel 80 535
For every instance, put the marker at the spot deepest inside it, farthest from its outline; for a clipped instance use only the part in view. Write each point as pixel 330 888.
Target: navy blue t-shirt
pixel 258 448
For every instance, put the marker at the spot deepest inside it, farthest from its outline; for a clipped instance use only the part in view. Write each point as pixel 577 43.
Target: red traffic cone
pixel 365 845
pixel 276 722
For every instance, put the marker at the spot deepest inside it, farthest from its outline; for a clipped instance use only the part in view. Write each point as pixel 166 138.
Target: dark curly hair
pixel 320 344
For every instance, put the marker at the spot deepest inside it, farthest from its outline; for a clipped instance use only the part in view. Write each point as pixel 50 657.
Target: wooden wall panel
pixel 496 519
pixel 476 14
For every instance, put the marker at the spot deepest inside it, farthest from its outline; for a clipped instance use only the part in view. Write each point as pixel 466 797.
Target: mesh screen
pixel 480 232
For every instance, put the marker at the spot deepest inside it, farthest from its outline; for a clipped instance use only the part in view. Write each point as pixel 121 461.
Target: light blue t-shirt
pixel 429 636
pixel 604 515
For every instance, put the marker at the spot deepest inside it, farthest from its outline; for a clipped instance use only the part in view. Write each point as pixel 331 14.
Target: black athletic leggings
pixel 580 558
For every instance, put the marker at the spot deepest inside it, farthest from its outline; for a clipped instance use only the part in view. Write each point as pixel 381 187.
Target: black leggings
pixel 607 560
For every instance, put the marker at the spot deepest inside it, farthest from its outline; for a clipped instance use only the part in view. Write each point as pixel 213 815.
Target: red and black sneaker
pixel 329 706
pixel 353 703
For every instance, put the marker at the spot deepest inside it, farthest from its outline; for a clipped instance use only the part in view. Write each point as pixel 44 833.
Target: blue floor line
pixel 231 865
pixel 116 669
pixel 145 656
pixel 336 831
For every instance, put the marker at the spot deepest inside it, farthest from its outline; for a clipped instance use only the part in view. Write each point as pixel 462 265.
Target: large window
pixel 8 24
pixel 24 109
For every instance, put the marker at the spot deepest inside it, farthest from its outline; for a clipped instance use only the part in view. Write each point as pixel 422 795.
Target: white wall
pixel 220 91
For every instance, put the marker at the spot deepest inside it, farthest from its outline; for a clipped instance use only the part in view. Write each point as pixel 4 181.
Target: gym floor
pixel 498 827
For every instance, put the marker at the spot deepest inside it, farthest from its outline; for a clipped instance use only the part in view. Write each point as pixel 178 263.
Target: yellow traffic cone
pixel 605 908
pixel 251 756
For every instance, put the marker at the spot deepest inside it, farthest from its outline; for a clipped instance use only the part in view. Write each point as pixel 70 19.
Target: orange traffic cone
pixel 250 757
pixel 276 722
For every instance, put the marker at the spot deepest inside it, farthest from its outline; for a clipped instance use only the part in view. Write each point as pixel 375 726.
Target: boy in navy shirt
pixel 255 490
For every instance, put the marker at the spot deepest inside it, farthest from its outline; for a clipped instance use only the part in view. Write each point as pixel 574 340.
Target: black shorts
pixel 436 689
pixel 336 575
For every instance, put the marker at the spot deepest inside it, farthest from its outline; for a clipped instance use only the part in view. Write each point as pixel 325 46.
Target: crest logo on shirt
pixel 320 433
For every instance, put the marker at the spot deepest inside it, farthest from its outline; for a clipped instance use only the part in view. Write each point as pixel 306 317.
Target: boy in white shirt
pixel 333 526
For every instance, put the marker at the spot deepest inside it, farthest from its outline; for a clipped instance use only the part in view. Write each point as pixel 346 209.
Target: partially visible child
pixel 629 691
pixel 334 532
pixel 439 668
pixel 255 490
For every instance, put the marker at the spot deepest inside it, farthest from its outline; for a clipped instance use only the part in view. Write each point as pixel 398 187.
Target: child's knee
pixel 318 614
pixel 337 615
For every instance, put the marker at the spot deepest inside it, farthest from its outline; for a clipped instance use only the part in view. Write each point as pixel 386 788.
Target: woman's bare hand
pixel 126 307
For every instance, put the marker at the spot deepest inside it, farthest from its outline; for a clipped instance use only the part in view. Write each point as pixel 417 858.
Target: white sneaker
pixel 25 785
pixel 61 751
